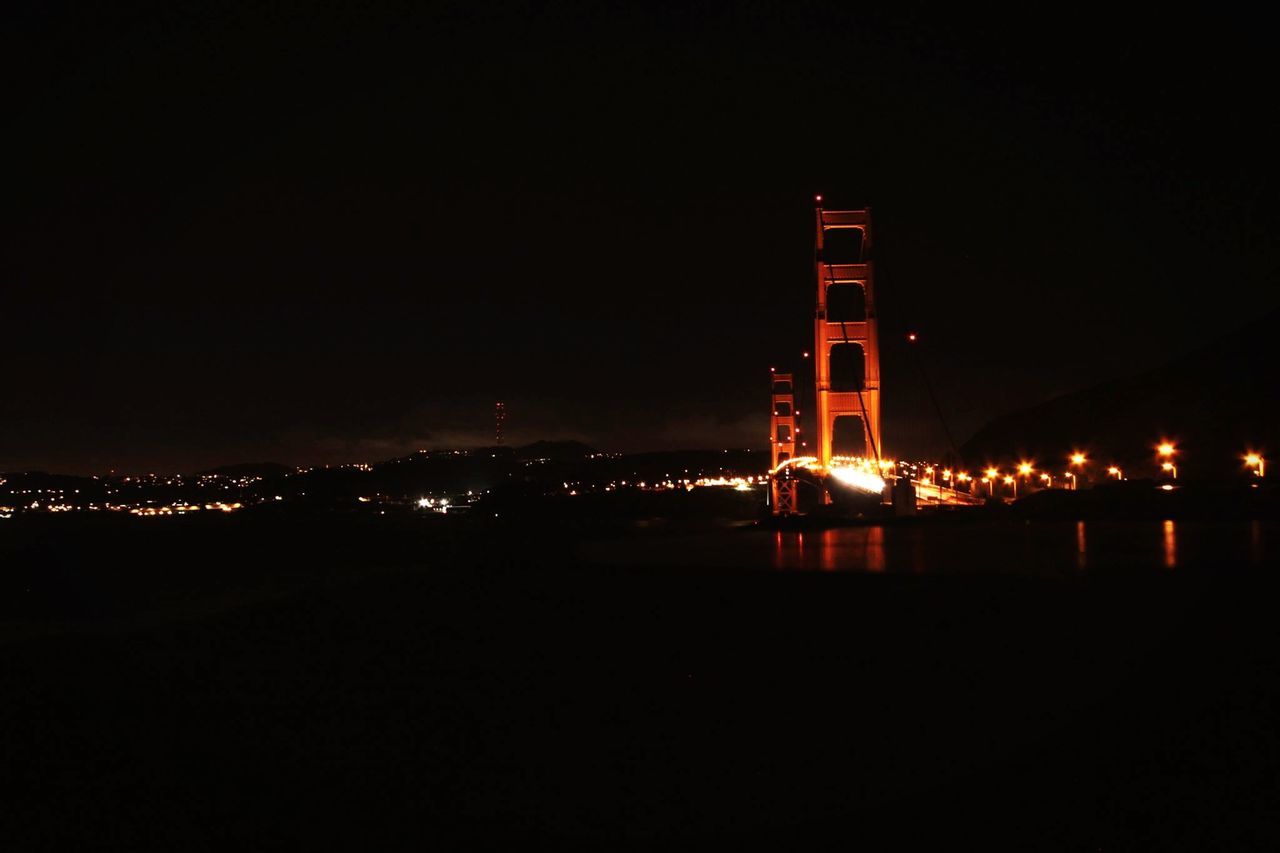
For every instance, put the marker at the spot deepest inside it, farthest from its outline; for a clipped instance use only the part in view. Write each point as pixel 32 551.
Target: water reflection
pixel 1082 547
pixel 864 550
pixel 1041 549
pixel 1044 549
pixel 828 546
pixel 873 549
pixel 838 549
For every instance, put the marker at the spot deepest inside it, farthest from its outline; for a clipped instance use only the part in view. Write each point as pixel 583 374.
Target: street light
pixel 1077 460
pixel 1165 450
pixel 1257 463
pixel 1048 480
pixel 1010 481
pixel 1115 472
pixel 1170 468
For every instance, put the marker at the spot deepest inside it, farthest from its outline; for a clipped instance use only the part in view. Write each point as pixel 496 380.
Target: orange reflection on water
pixel 852 548
pixel 874 552
pixel 1170 545
pixel 838 549
pixel 827 548
pixel 1081 550
pixel 788 550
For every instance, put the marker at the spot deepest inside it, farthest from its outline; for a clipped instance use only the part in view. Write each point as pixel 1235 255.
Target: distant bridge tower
pixel 846 349
pixel 782 440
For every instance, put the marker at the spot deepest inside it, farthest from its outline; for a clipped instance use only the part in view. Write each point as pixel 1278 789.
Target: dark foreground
pixel 344 683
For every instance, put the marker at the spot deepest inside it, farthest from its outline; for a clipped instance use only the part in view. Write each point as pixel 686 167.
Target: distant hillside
pixel 265 470
pixel 558 450
pixel 1214 403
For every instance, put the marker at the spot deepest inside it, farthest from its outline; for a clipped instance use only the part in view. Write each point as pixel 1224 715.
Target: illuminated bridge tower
pixel 782 440
pixel 846 350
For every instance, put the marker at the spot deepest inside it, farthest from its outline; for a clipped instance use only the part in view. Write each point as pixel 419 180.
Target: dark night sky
pixel 312 234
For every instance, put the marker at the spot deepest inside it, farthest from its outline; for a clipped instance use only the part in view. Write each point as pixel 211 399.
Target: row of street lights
pixel 1165 453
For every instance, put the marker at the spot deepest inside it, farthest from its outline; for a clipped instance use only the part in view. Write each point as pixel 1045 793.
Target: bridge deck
pixel 931 494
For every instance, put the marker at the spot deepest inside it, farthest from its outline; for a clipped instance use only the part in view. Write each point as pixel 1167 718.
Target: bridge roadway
pixel 931 494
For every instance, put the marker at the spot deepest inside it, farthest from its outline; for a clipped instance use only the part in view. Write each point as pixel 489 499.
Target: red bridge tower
pixel 846 348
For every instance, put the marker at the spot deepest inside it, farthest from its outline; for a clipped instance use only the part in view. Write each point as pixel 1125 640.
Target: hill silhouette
pixel 265 470
pixel 1214 403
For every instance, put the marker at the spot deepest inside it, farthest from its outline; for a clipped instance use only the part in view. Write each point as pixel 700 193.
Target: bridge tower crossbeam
pixel 846 342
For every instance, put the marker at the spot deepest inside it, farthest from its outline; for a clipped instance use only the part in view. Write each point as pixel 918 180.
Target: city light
pixel 1024 468
pixel 1115 472
pixel 1078 458
pixel 1257 463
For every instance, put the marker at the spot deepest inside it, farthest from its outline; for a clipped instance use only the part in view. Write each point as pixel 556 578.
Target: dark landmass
pixel 548 467
pixel 1137 500
pixel 571 451
pixel 264 470
pixel 1216 402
